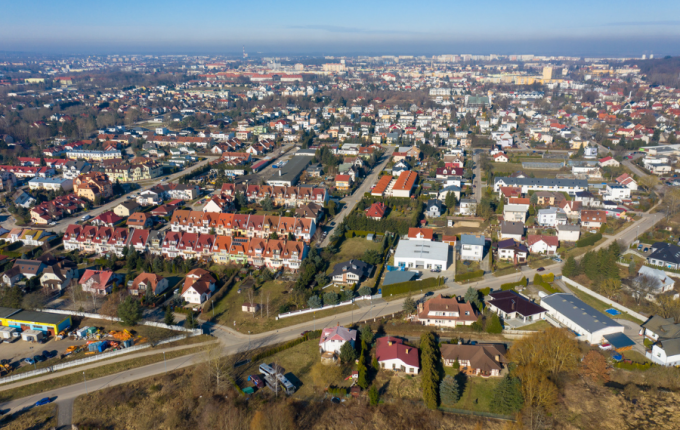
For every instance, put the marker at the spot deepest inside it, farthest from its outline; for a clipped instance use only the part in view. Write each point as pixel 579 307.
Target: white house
pixel 332 338
pixel 471 247
pixel 589 324
pixel 616 192
pixel 608 161
pixel 500 158
pixel 550 217
pixel 540 244
pixel 392 354
pixel 515 213
pixel 663 282
pixel 568 233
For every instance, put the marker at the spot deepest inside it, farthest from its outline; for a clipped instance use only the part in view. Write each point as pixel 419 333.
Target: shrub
pixel 337 391
pixel 588 240
pixel 633 366
pixel 365 291
pixel 485 291
pixel 512 285
pixel 469 275
pixel 410 286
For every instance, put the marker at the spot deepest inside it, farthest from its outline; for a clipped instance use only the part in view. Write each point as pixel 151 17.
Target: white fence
pixel 323 308
pixel 193 331
pixel 604 299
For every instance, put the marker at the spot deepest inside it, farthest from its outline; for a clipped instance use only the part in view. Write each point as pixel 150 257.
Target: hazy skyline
pixel 371 28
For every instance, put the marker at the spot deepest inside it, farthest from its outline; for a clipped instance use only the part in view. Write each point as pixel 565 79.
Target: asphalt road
pixel 352 200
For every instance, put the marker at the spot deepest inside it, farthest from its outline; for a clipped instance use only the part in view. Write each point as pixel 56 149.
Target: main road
pixel 358 194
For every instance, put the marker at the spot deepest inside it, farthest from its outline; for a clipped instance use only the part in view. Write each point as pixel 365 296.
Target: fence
pixel 92 358
pixel 194 332
pixel 323 308
pixel 604 299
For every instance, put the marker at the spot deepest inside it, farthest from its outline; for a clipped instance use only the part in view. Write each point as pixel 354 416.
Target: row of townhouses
pixel 250 226
pixel 280 195
pixel 272 253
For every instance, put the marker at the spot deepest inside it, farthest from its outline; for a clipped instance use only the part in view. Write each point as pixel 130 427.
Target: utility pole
pixel 165 363
pixel 85 379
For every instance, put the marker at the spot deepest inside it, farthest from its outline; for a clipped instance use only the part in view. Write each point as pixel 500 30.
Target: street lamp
pixel 165 363
pixel 85 379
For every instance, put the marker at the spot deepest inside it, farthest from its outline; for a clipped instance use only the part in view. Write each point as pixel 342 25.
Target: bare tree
pixel 268 294
pixel 250 299
pixel 671 202
pixel 215 368
pixel 643 285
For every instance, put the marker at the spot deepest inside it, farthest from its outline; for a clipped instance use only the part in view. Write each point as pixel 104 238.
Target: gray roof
pixel 568 227
pixel 6 312
pixel 510 227
pixel 292 170
pixel 357 267
pixel 397 277
pixel 422 249
pixel 39 317
pixel 670 346
pixel 469 239
pixel 586 316
pixel 582 183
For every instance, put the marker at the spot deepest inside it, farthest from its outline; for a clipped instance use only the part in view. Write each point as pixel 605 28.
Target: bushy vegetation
pixel 410 286
pixel 469 275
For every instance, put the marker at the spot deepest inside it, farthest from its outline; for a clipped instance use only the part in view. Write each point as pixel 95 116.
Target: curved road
pixel 234 342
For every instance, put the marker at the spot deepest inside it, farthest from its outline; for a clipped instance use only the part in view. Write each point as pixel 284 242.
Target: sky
pixel 350 27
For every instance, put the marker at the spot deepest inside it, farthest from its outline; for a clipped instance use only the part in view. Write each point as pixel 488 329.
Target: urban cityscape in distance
pixel 339 216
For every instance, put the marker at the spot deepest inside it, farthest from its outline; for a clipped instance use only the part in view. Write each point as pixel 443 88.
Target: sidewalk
pixel 76 369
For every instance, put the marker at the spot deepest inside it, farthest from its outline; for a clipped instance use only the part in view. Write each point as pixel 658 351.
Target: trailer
pixel 7 334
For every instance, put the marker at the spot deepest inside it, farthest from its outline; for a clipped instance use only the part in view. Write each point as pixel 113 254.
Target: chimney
pixel 407 350
pixel 513 305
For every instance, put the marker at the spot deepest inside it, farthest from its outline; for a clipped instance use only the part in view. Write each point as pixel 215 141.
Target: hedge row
pixel 588 240
pixel 512 285
pixel 361 233
pixel 632 366
pixel 410 286
pixel 469 275
pixel 285 346
pixel 337 391
pixel 485 291
pixel 543 280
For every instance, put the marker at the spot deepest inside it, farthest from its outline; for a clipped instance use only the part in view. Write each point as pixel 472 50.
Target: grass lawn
pixel 506 271
pixel 298 362
pixel 35 418
pixel 538 325
pixel 502 169
pixel 229 310
pixel 535 263
pixel 478 392
pixel 635 356
pixel 599 305
pixel 574 251
pixel 353 248
pixel 97 372
pixel 463 268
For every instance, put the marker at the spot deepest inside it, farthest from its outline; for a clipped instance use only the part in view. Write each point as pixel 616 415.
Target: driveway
pixel 632 330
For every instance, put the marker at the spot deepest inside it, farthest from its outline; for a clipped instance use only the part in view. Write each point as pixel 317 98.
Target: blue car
pixel 44 401
pixel 29 360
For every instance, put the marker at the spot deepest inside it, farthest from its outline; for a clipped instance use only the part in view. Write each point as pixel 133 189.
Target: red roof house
pixel 376 211
pixel 392 354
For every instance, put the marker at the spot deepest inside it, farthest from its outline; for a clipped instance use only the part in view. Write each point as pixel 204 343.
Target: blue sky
pixel 348 27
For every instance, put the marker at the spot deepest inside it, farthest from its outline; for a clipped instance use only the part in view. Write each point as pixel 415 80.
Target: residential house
pixel 57 277
pixel 148 284
pixel 423 254
pixel 376 211
pixel 107 219
pixel 445 312
pixel 392 354
pixel 509 250
pixel 434 208
pixel 486 360
pixel 510 305
pixel 416 233
pixel 351 272
pixel 665 254
pixel 472 247
pixel 29 268
pixel 627 181
pixel 515 213
pixel 23 199
pixel 512 230
pixel 126 209
pixel 140 220
pixel 468 207
pixel 659 281
pixel 343 182
pixel 542 244
pixel 593 218
pixel 198 286
pixel 98 282
pixel 568 233
pixel 333 338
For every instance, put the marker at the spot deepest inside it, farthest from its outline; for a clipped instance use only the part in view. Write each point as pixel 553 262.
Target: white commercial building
pixel 422 254
pixel 588 323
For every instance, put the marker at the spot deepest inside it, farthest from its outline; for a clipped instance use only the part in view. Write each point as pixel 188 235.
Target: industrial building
pixel 45 322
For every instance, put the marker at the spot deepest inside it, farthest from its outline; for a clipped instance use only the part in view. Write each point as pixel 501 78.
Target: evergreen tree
pixel 129 311
pixel 409 305
pixel 449 392
pixel 347 353
pixel 590 265
pixel 373 395
pixel 570 268
pixel 362 381
pixel 366 334
pixel 430 373
pixel 169 318
pixel 507 397
pixel 472 296
pixel 450 201
pixel 494 325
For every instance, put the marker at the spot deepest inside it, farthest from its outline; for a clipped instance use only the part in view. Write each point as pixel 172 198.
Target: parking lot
pixel 19 350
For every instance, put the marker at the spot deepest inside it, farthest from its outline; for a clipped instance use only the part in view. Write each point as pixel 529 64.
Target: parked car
pixel 540 269
pixel 38 358
pixel 29 360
